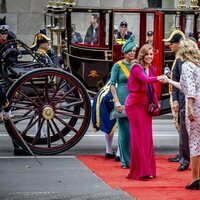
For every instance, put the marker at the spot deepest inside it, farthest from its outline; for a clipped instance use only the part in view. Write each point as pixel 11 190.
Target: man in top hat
pixel 178 104
pixel 149 37
pixel 123 35
pixel 41 46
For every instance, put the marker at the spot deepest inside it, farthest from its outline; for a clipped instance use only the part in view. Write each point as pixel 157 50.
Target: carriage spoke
pixel 69 114
pixel 51 128
pixel 48 134
pixel 57 89
pixel 63 97
pixel 38 131
pixel 36 91
pixel 46 89
pixel 24 118
pixel 28 98
pixel 66 124
pixel 29 126
pixel 59 133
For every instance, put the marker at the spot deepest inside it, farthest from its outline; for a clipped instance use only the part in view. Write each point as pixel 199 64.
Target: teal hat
pixel 129 45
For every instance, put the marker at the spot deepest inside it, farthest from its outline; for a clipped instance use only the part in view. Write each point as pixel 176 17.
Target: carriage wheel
pixel 51 110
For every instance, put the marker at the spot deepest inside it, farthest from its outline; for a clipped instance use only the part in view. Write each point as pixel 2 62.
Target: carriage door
pixel 89 46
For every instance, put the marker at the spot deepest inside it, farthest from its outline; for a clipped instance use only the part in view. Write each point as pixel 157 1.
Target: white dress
pixel 190 86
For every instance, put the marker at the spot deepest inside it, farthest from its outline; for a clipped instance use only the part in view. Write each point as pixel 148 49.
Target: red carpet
pixel 169 184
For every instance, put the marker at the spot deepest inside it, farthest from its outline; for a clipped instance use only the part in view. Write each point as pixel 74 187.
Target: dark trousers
pixel 183 139
pixel 3 98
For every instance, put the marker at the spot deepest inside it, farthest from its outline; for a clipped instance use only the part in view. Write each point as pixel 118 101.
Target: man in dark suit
pixel 178 104
pixel 92 33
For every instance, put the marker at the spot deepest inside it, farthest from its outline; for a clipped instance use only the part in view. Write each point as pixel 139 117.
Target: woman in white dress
pixel 190 86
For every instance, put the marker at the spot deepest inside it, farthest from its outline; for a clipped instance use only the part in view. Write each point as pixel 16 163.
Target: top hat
pixel 149 33
pixel 175 37
pixel 3 26
pixel 123 23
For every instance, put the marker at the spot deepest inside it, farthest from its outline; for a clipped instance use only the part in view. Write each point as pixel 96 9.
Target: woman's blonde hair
pixel 142 52
pixel 189 51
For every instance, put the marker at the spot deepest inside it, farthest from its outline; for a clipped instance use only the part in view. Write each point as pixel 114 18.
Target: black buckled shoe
pixel 109 155
pixel 195 185
pixel 182 167
pixel 117 158
pixel 175 159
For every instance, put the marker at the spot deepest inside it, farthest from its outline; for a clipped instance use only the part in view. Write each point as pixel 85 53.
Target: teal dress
pixel 119 80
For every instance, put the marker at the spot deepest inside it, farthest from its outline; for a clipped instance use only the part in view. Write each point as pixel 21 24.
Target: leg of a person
pixel 142 161
pixel 176 123
pixel 124 141
pixel 3 99
pixel 195 167
pixel 184 140
pixel 108 143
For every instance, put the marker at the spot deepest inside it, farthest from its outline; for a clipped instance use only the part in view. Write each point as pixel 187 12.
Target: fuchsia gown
pixel 142 159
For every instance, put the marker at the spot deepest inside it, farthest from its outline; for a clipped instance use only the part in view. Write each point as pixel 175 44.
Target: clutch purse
pixel 153 109
pixel 115 114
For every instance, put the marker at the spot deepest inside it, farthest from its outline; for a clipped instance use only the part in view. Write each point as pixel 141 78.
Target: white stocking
pixel 118 152
pixel 108 143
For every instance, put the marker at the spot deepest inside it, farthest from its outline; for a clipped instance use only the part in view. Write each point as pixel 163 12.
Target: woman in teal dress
pixel 120 92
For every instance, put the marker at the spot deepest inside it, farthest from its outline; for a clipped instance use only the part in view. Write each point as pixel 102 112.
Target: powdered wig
pixel 143 52
pixel 189 51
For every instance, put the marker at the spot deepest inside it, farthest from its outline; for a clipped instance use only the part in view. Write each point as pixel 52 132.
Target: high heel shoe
pixel 195 185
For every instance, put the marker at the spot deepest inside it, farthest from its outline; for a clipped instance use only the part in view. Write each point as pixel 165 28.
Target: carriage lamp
pixel 69 3
pixel 182 4
pixel 58 17
pixel 58 23
pixel 194 4
pixel 48 15
pixel 177 20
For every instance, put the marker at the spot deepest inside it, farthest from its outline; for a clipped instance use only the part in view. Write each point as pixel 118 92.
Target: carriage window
pixel 150 28
pixel 90 29
pixel 78 27
pixel 189 27
pixel 170 24
pixel 128 24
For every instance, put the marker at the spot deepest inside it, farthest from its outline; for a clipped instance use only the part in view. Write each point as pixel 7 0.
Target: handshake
pixel 163 79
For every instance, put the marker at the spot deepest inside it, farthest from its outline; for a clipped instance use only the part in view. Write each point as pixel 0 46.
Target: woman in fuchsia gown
pixel 142 160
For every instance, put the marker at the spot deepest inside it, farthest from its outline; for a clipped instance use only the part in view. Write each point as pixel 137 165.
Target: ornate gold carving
pixel 194 4
pixel 93 73
pixel 108 55
pixel 182 4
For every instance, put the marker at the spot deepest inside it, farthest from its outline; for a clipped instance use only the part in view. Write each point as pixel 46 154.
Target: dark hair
pixel 96 16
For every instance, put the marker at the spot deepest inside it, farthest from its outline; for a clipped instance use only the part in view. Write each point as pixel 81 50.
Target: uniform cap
pixel 123 23
pixel 129 45
pixel 3 26
pixel 149 33
pixel 175 37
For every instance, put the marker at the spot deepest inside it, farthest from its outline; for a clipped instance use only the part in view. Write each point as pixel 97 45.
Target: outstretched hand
pixel 163 79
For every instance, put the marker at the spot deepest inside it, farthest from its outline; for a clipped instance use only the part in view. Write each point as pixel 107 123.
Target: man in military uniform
pixel 4 37
pixel 123 35
pixel 178 104
pixel 41 46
